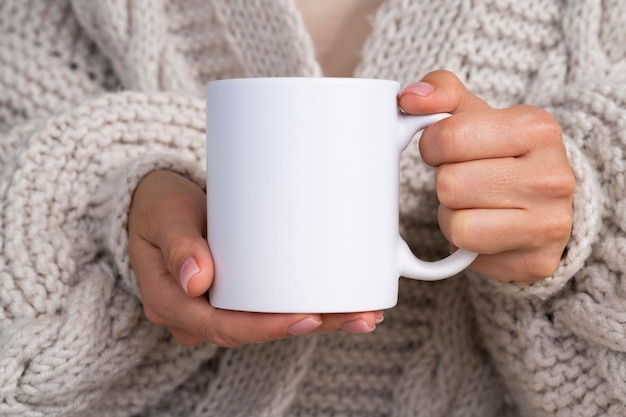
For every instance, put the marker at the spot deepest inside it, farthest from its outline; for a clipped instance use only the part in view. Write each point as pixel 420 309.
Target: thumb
pixel 185 249
pixel 177 224
pixel 192 264
pixel 439 91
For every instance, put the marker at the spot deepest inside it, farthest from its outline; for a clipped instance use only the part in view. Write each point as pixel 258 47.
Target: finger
pixel 233 328
pixel 193 319
pixel 503 183
pixel 522 267
pixel 497 180
pixel 163 297
pixel 439 91
pixel 486 134
pixel 167 305
pixel 491 231
pixel 364 322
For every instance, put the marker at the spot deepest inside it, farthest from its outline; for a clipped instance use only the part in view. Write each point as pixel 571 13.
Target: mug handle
pixel 409 265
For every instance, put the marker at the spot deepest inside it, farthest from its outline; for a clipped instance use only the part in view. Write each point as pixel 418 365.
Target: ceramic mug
pixel 302 192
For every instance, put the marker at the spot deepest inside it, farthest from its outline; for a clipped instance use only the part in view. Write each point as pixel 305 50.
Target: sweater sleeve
pixel 73 331
pixel 594 307
pixel 73 337
pixel 560 343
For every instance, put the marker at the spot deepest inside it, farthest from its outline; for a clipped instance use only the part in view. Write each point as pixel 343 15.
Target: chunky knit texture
pixel 94 94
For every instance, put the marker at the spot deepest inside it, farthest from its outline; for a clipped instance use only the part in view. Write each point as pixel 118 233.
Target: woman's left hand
pixel 503 179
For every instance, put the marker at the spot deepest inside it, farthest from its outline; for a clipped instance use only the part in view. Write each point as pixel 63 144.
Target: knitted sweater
pixel 94 94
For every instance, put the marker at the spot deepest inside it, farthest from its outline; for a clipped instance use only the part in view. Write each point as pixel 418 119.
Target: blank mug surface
pixel 302 192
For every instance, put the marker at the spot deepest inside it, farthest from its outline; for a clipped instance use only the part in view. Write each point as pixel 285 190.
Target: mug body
pixel 302 193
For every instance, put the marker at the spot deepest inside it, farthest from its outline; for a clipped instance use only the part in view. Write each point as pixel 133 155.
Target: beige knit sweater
pixel 95 93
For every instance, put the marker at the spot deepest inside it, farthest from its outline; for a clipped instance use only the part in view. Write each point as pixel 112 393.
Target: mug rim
pixel 297 79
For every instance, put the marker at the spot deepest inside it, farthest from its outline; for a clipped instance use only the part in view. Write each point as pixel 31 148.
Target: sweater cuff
pixel 112 206
pixel 588 205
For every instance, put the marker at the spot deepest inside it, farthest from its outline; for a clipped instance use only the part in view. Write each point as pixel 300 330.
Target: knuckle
pixel 564 184
pixel 557 184
pixel 548 125
pixel 551 230
pixel 177 249
pixel 560 226
pixel 186 340
pixel 544 126
pixel 542 267
pixel 175 202
pixel 535 265
pixel 224 341
pixel 447 185
pixel 552 129
pixel 445 77
pixel 219 338
pixel 453 134
pixel 154 317
pixel 462 231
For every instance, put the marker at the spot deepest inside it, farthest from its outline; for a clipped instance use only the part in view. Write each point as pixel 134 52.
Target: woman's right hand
pixel 172 261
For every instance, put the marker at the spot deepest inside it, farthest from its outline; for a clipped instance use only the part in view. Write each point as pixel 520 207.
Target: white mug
pixel 302 195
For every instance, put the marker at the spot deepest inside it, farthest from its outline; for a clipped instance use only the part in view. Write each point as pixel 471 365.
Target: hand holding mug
pixel 503 179
pixel 174 269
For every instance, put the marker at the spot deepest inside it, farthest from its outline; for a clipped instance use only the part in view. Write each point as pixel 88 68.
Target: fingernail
pixel 304 326
pixel 188 269
pixel 421 89
pixel 357 326
pixel 380 317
